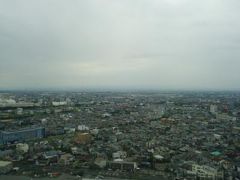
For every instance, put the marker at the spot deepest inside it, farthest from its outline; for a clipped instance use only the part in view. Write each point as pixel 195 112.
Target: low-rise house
pixel 66 159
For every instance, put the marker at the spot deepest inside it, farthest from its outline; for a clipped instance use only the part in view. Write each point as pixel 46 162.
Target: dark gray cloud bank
pixel 139 44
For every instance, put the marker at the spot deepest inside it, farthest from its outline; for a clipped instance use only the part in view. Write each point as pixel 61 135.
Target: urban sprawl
pixel 120 135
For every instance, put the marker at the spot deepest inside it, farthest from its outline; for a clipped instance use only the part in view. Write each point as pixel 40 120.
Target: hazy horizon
pixel 125 45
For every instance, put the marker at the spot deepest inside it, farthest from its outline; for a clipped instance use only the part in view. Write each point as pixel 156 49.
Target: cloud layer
pixel 137 44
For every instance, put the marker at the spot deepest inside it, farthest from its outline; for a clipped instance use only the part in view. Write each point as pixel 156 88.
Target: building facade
pixel 21 135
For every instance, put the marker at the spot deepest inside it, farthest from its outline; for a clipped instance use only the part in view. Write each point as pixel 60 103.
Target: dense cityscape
pixel 119 90
pixel 120 135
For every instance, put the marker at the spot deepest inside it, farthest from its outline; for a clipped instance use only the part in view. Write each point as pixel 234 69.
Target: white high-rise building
pixel 213 109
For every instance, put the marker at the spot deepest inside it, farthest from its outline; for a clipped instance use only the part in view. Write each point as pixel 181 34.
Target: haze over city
pixel 120 89
pixel 136 44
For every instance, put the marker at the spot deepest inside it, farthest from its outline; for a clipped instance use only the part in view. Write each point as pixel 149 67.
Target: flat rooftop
pixel 4 163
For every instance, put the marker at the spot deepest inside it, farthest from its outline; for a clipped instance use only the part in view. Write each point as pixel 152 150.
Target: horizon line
pixel 114 90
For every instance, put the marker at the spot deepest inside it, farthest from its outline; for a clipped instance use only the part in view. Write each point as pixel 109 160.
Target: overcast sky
pixel 120 44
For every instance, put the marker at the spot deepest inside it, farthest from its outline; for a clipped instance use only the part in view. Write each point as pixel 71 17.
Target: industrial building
pixel 21 135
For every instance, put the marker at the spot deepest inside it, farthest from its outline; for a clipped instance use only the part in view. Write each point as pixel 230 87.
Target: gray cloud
pixel 156 44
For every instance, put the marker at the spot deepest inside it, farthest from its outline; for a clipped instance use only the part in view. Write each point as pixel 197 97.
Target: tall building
pixel 21 135
pixel 213 109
